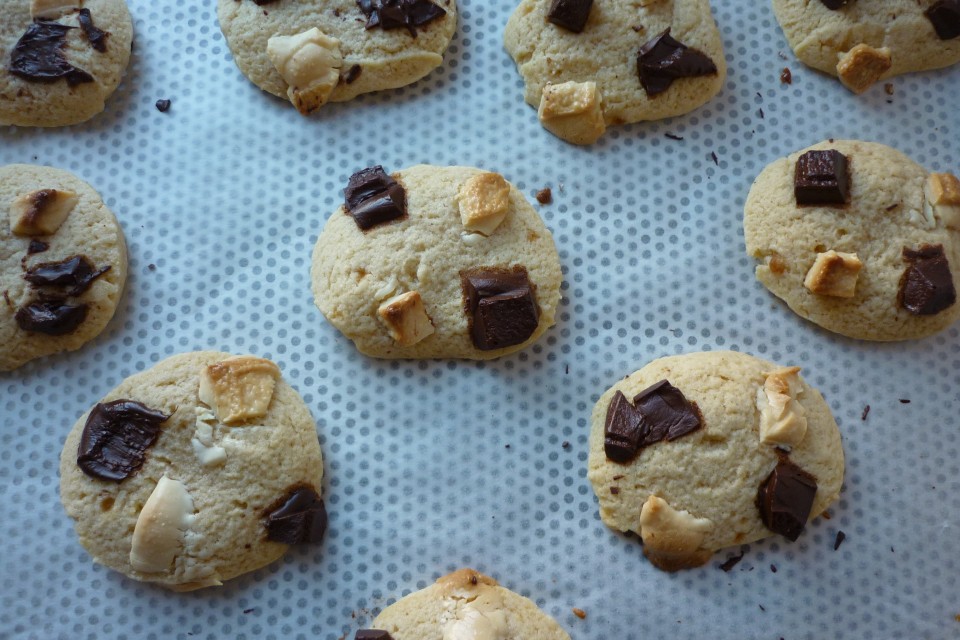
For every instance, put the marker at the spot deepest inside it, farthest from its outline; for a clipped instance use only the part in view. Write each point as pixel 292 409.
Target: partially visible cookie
pixel 63 263
pixel 316 51
pixel 464 605
pixel 588 64
pixel 62 59
pixel 858 238
pixel 436 262
pixel 863 41
pixel 196 471
pixel 703 451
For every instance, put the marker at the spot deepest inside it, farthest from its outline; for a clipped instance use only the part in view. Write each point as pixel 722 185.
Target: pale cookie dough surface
pixel 714 472
pixel 90 230
pixel 885 214
pixel 353 271
pixel 606 53
pixel 29 103
pixel 388 58
pixel 467 605
pixel 227 538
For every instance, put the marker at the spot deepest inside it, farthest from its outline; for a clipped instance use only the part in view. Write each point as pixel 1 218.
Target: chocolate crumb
pixel 716 160
pixel 888 88
pixel 866 412
pixel 545 196
pixel 673 136
pixel 638 28
pixel 619 477
pixel 892 207
pixel 761 607
pixel 473 579
pixel 760 111
pixel 163 105
pixel 904 401
pixel 773 568
pixel 786 77
pixel 152 267
pixel 6 297
pixel 566 369
pixel 615 490
pixel 826 515
pixel 565 444
pixel 506 446
pixel 731 562
pixel 841 536
pixel 248 610
pixel 37 246
pixel 580 613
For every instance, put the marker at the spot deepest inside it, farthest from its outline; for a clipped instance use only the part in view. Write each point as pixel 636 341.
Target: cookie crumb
pixel 904 401
pixel 888 88
pixel 580 613
pixel 545 196
pixel 866 412
pixel 6 296
pixel 618 477
pixel 638 28
pixel 731 562
pixel 673 136
pixel 716 160
pixel 826 515
pixel 786 77
pixel 782 57
pixel 841 536
pixel 163 105
pixel 473 579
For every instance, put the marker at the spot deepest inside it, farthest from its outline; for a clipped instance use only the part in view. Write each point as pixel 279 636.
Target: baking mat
pixel 431 466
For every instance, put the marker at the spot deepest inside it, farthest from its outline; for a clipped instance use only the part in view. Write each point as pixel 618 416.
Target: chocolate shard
pixel 926 287
pixel 374 198
pixel 664 59
pixel 372 634
pixel 297 518
pixel 115 439
pixel 835 4
pixel 399 14
pixel 785 499
pixel 501 305
pixel 76 272
pixel 945 18
pixel 667 413
pixel 623 430
pixel 37 246
pixel 96 37
pixel 38 55
pixel 821 178
pixel 570 14
pixel 52 317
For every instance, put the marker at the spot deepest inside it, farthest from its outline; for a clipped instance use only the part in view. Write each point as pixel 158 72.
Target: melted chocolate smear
pixel 501 305
pixel 38 55
pixel 570 14
pixel 96 37
pixel 399 14
pixel 76 272
pixel 297 518
pixel 52 317
pixel 821 178
pixel 623 430
pixel 372 634
pixel 116 437
pixel 667 412
pixel 37 246
pixel 664 59
pixel 926 287
pixel 945 18
pixel 374 198
pixel 785 499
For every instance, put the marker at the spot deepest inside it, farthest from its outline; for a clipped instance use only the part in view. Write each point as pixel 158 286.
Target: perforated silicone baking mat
pixel 432 466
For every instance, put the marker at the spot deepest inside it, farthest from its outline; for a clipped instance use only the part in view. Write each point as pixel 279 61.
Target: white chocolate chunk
pixel 573 111
pixel 834 274
pixel 484 200
pixel 209 454
pixel 783 421
pixel 942 199
pixel 239 388
pixel 51 9
pixel 406 318
pixel 41 213
pixel 483 618
pixel 159 533
pixel 862 66
pixel 309 63
pixel 672 538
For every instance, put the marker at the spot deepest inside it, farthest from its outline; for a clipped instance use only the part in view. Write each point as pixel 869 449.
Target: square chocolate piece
pixel 623 430
pixel 926 287
pixel 374 198
pixel 821 178
pixel 570 14
pixel 785 499
pixel 502 306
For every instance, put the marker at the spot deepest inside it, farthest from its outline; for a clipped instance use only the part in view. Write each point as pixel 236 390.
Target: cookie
pixel 62 59
pixel 436 262
pixel 699 452
pixel 863 41
pixel 464 604
pixel 859 239
pixel 196 471
pixel 63 263
pixel 588 64
pixel 316 51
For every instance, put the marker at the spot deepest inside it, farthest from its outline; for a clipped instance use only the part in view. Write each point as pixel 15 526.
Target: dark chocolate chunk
pixel 53 317
pixel 76 272
pixel 926 287
pixel 352 74
pixel 785 499
pixel 116 437
pixel 570 14
pixel 501 306
pixel 372 634
pixel 667 413
pixel 399 14
pixel 664 59
pixel 38 55
pixel 374 198
pixel 731 562
pixel 297 518
pixel 623 430
pixel 834 4
pixel 37 246
pixel 841 536
pixel 821 177
pixel 786 77
pixel 163 105
pixel 945 18
pixel 96 37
